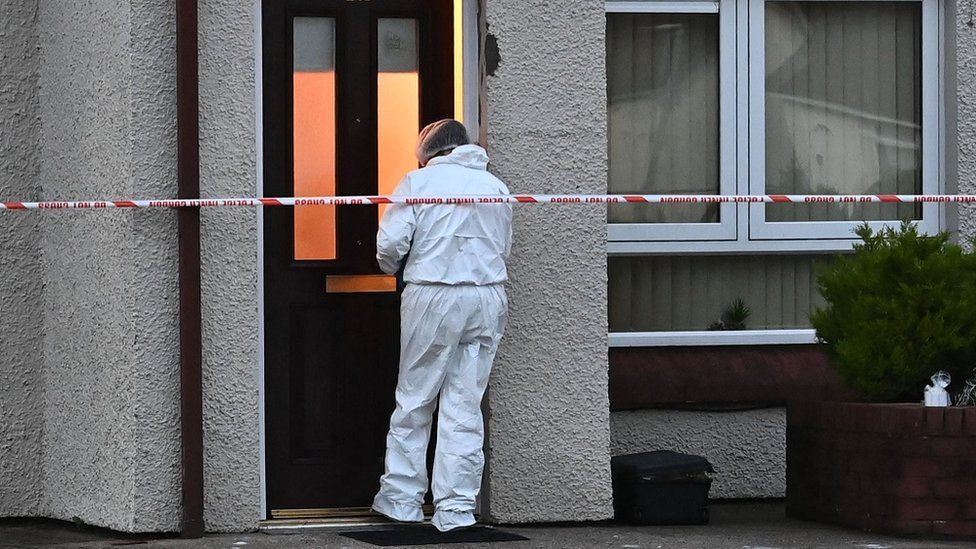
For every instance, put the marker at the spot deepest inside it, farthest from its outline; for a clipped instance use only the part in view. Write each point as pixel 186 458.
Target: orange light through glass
pixel 315 146
pixel 398 103
pixel 398 114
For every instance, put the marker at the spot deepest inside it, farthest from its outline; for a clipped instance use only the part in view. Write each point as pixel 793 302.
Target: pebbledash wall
pixel 961 98
pixel 76 376
pixel 106 357
pixel 747 448
pixel 88 300
pixel 230 266
pixel 88 303
pixel 90 424
pixel 21 391
pixel 549 409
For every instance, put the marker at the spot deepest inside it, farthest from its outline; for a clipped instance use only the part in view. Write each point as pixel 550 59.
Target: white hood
pixel 468 156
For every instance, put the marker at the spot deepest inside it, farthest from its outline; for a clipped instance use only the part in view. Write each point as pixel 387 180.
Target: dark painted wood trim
pixel 721 377
pixel 191 353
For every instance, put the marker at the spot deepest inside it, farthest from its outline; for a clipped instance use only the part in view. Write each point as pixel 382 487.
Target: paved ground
pixel 734 526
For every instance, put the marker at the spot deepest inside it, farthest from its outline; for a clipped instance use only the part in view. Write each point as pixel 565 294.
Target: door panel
pixel 347 86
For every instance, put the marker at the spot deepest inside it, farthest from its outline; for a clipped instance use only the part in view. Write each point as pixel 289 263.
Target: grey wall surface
pixel 110 444
pixel 546 125
pixel 21 391
pixel 89 439
pixel 106 124
pixel 747 449
pixel 230 267
pixel 155 282
pixel 965 107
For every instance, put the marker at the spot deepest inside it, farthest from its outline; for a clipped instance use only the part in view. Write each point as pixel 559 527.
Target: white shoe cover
pixel 399 512
pixel 445 521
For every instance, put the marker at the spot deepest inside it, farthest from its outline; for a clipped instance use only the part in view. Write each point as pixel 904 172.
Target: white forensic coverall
pixel 453 314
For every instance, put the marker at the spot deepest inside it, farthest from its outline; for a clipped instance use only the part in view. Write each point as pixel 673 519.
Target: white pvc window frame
pixel 726 227
pixel 743 40
pixel 742 134
pixel 759 228
pixel 697 339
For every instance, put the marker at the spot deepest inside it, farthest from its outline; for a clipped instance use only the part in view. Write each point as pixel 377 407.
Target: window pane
pixel 314 135
pixel 843 106
pixel 649 294
pixel 663 92
pixel 398 102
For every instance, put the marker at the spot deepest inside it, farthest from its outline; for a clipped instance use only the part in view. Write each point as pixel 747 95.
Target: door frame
pixel 470 41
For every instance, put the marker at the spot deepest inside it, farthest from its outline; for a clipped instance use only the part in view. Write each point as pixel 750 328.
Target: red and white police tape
pixel 490 199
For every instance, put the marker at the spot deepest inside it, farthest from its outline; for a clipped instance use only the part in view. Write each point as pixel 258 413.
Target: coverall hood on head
pixel 453 315
pixel 439 137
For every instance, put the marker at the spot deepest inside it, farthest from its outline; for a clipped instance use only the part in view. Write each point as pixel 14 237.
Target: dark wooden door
pixel 347 85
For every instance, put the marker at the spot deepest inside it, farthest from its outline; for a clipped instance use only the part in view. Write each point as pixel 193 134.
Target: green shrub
pixel 902 307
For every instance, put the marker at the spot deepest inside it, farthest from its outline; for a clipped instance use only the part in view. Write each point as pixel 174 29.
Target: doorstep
pixel 301 521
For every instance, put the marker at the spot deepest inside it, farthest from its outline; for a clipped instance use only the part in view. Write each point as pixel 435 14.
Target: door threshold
pixel 298 526
pixel 298 521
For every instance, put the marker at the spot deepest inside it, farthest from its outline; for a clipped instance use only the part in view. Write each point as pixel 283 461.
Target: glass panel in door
pixel 398 101
pixel 314 116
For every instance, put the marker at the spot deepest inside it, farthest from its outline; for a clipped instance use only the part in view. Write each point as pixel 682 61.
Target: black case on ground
pixel 661 488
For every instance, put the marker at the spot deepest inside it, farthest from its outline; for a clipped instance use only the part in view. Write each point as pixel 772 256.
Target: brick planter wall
pixel 887 468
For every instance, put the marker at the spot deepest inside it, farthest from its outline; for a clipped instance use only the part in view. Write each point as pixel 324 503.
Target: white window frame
pixel 759 228
pixel 742 131
pixel 727 227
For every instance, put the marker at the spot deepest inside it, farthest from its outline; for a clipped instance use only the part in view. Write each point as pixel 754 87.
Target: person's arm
pixel 396 232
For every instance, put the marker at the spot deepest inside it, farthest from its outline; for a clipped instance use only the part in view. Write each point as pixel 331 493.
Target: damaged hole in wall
pixel 493 57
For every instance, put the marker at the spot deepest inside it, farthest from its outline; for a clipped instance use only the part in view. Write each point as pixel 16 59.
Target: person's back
pixel 451 244
pixel 453 315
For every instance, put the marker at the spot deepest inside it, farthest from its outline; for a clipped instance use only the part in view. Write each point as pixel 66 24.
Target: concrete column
pixel 546 129
pixel 965 108
pixel 107 109
pixel 21 392
pixel 230 267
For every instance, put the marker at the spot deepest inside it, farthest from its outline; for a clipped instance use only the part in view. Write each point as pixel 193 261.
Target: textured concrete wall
pixel 108 127
pixel 747 449
pixel 965 54
pixel 155 284
pixel 549 409
pixel 230 267
pixel 21 391
pixel 89 440
pixel 110 440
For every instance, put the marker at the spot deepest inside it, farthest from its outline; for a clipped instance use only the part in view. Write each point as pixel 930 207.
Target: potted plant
pixel 734 317
pixel 899 309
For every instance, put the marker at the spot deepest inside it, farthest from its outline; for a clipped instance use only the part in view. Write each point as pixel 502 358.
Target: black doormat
pixel 393 536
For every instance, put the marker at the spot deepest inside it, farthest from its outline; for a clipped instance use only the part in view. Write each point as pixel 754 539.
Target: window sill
pixel 720 247
pixel 710 338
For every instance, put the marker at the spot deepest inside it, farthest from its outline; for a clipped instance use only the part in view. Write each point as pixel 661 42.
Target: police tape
pixel 491 199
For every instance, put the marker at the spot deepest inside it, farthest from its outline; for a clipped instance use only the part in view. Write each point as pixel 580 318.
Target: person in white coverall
pixel 453 314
